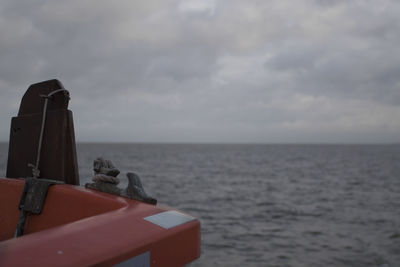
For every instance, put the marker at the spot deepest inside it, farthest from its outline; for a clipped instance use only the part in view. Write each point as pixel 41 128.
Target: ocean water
pixel 272 205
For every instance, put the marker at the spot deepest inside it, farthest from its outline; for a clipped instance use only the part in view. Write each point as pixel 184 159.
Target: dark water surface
pixel 272 205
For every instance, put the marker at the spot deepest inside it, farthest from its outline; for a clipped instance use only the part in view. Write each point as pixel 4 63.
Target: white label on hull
pixel 142 260
pixel 169 219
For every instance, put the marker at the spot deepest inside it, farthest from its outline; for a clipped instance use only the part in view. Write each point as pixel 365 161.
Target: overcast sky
pixel 304 71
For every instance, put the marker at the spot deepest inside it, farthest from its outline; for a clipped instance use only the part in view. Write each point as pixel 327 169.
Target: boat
pixel 48 219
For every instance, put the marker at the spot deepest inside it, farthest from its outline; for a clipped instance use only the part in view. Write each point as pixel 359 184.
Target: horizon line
pixel 232 143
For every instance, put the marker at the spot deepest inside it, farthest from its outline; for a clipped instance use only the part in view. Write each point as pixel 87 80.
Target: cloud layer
pixel 210 71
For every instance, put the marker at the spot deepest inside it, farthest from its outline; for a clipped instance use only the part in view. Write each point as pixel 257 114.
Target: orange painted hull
pixel 82 227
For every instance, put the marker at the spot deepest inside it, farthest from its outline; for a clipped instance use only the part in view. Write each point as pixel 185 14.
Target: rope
pixel 35 168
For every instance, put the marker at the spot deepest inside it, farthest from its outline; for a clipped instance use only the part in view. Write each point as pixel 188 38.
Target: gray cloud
pixel 210 71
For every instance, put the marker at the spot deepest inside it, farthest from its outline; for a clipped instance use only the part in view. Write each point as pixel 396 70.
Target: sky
pixel 206 71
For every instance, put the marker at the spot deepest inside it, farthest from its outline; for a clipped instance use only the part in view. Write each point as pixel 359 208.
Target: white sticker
pixel 142 260
pixel 169 219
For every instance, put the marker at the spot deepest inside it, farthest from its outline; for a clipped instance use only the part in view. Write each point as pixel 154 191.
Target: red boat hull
pixel 83 227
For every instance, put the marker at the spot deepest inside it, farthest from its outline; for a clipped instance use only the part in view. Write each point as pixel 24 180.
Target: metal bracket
pixel 134 190
pixel 105 180
pixel 32 200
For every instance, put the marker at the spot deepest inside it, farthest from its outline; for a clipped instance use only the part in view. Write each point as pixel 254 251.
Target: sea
pixel 271 205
